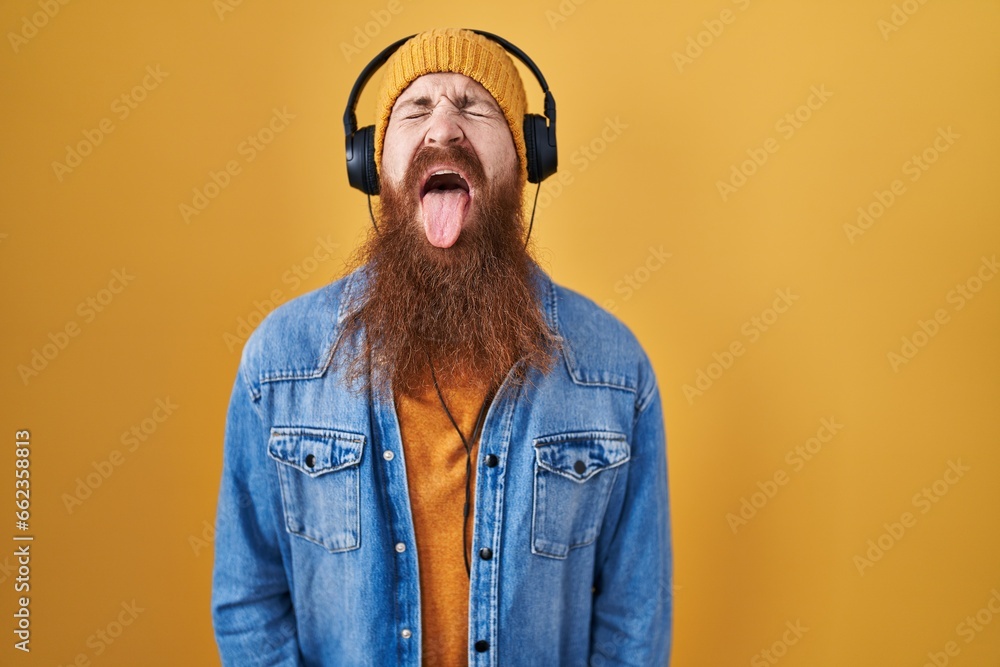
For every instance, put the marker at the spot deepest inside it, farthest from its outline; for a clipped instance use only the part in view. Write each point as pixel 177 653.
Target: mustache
pixel 458 155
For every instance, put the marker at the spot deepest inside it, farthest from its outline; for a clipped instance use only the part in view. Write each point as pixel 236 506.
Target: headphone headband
pixel 350 119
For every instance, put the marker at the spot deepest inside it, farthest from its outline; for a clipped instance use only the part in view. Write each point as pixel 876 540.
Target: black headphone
pixel 539 131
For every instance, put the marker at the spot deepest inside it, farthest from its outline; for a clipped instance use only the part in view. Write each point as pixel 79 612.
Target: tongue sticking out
pixel 443 207
pixel 443 213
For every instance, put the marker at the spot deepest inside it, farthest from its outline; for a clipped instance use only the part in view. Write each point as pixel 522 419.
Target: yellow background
pixel 662 132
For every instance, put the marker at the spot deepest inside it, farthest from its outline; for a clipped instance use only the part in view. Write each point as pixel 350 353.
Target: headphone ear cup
pixel 530 148
pixel 361 160
pixel 371 171
pixel 539 143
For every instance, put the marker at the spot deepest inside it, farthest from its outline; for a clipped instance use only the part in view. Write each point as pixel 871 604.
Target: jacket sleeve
pixel 633 608
pixel 251 605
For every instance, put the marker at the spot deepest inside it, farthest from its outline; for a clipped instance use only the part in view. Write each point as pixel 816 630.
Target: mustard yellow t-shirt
pixel 435 473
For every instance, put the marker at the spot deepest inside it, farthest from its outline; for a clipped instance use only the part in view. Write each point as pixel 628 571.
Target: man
pixel 444 458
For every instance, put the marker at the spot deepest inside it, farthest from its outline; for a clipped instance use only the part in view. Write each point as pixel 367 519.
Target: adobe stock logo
pixel 963 292
pixel 582 158
pixel 779 648
pixel 634 280
pixel 752 328
pixel 899 17
pixel 103 469
pixel 249 149
pixel 223 7
pixel 697 43
pixel 122 107
pixel 562 12
pixel 295 276
pixel 107 634
pixel 924 500
pixel 968 629
pixel 364 34
pixel 915 167
pixel 786 126
pixel 37 21
pixel 797 458
pixel 205 538
pixel 88 309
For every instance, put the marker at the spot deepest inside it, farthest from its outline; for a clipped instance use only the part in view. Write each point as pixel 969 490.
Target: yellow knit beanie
pixel 464 52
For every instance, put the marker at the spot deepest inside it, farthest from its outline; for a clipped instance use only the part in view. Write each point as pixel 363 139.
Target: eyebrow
pixel 422 102
pixel 465 101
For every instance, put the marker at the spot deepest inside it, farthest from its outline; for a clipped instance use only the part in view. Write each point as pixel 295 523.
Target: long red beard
pixel 470 308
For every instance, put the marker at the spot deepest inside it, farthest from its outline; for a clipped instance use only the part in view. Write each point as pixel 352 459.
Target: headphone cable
pixel 532 223
pixel 468 458
pixel 371 214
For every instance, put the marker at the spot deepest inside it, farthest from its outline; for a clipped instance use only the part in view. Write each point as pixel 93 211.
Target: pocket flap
pixel 581 455
pixel 315 451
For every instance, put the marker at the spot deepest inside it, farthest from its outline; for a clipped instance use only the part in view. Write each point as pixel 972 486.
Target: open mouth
pixel 444 204
pixel 443 180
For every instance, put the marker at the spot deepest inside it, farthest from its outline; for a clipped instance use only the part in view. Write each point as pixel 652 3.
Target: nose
pixel 444 129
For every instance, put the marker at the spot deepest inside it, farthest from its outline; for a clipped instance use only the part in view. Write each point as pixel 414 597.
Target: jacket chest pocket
pixel 574 474
pixel 318 470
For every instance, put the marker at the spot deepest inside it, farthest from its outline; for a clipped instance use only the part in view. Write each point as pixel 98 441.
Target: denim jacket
pixel 315 557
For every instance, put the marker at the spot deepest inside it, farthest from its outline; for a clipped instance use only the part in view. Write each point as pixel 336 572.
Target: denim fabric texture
pixel 315 557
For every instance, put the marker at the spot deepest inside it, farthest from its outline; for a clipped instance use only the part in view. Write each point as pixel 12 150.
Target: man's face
pixel 446 141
